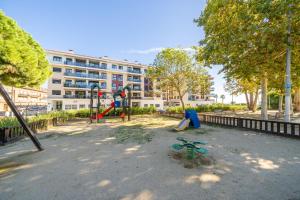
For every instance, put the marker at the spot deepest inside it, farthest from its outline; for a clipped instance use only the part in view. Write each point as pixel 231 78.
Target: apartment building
pixel 73 75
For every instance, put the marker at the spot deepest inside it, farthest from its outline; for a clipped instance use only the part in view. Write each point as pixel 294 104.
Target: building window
pixel 157 105
pixel 57 59
pixel 74 107
pixel 68 70
pixel 145 105
pixel 114 66
pixel 120 67
pixel 68 93
pixel 56 69
pixel 56 92
pixel 56 81
pixel 103 85
pixel 68 107
pixel 81 106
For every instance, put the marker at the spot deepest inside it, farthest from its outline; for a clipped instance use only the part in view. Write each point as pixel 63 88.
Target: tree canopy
pixel 22 60
pixel 249 38
pixel 177 71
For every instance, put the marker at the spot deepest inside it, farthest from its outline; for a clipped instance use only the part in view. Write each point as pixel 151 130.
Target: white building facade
pixel 73 74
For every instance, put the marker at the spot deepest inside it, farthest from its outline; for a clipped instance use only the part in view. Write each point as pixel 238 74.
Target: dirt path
pixel 83 161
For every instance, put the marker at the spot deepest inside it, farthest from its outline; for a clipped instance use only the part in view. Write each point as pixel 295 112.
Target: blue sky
pixel 131 29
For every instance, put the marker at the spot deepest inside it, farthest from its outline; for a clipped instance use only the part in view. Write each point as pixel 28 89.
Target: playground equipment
pixel 95 110
pixel 125 103
pixel 192 147
pixel 190 120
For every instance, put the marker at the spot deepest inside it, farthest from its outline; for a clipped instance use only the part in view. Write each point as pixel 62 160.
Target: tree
pixel 248 38
pixel 216 97
pixel 222 97
pixel 177 72
pixel 22 63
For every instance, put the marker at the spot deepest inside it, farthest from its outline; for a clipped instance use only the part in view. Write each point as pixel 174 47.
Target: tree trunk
pixel 280 103
pixel 297 99
pixel 247 100
pixel 264 98
pixel 182 103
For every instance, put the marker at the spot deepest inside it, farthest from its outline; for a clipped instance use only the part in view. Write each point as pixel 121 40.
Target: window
pixel 103 85
pixel 114 86
pixel 114 66
pixel 81 106
pixel 56 92
pixel 74 107
pixel 56 69
pixel 157 105
pixel 120 67
pixel 145 105
pixel 103 65
pixel 57 59
pixel 68 107
pixel 68 70
pixel 114 77
pixel 68 93
pixel 56 81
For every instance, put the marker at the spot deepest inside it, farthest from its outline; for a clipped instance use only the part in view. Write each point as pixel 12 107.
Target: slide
pixel 100 116
pixel 183 125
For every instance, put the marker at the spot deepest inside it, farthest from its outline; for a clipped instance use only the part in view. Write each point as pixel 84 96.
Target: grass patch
pixel 136 133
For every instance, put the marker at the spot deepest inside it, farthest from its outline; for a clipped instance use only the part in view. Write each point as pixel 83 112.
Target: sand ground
pixel 83 161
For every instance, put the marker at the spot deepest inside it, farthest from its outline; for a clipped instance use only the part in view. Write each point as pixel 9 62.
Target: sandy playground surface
pixel 116 161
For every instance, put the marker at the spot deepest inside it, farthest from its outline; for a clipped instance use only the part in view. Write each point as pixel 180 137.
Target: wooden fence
pixel 288 129
pixel 10 134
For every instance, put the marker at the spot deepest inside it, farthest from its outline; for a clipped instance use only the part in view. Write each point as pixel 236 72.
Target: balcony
pixel 85 65
pixel 88 86
pixel 84 75
pixel 134 80
pixel 136 89
pixel 82 97
pixel 134 71
pixel 136 97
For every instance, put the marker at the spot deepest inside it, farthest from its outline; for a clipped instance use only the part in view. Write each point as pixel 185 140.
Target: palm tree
pixel 216 97
pixel 222 97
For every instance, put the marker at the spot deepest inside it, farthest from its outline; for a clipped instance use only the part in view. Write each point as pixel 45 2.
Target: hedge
pixel 208 108
pixel 70 114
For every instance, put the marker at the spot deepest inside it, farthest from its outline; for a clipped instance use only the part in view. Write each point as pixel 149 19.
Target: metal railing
pixel 85 65
pixel 134 80
pixel 81 85
pixel 134 71
pixel 84 75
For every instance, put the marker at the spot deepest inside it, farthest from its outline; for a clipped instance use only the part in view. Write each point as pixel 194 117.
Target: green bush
pixel 208 108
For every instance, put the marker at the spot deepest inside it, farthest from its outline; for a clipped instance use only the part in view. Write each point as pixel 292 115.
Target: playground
pixel 131 160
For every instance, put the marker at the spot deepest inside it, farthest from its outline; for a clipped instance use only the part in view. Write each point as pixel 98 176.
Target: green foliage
pixel 71 114
pixel 208 108
pixel 22 60
pixel 249 39
pixel 178 74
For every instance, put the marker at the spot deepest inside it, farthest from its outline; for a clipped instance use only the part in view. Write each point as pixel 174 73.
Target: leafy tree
pixel 248 38
pixel 176 71
pixel 22 61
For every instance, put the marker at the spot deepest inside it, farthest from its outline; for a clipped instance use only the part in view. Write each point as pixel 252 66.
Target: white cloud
pixel 156 50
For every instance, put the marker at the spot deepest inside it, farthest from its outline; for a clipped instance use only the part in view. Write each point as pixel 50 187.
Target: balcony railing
pixel 134 71
pixel 81 85
pixel 84 75
pixel 135 97
pixel 134 80
pixel 136 89
pixel 82 97
pixel 85 65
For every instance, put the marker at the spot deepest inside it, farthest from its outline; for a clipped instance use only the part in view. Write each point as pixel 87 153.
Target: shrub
pixel 208 108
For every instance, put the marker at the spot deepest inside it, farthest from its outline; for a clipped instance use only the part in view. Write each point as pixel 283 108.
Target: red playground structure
pixel 125 103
